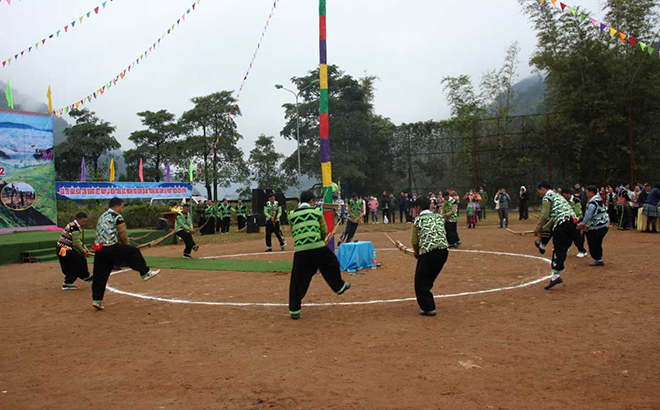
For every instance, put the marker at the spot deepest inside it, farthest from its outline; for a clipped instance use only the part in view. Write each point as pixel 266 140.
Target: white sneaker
pixel 283 247
pixel 150 274
pixel 581 254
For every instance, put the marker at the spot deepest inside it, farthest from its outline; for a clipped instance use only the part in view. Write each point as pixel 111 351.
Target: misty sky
pixel 409 44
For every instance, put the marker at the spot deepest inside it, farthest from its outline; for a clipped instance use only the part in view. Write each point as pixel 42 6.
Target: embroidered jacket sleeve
pixel 545 215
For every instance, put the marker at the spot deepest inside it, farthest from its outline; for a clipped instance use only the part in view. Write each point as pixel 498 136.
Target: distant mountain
pixel 24 103
pixel 530 96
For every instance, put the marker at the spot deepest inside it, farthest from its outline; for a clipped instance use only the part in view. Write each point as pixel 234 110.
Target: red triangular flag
pixel 96 10
pixel 633 40
pixel 563 6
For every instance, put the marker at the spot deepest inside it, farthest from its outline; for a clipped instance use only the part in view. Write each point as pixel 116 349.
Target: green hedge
pixel 137 215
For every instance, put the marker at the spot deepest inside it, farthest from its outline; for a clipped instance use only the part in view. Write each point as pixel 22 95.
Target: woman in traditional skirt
pixel 651 209
pixel 472 218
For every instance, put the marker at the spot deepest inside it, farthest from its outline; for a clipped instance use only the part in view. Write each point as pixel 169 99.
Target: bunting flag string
pixel 247 74
pixel 131 67
pixel 54 35
pixel 626 38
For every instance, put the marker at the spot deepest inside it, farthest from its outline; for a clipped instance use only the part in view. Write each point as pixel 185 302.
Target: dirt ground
pixel 592 343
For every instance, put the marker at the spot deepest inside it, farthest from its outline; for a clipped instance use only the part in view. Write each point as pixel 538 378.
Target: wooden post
pixel 631 146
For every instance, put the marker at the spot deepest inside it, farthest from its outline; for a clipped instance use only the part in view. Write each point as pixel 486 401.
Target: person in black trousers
pixel 273 212
pixel 72 253
pixel 524 204
pixel 112 249
pixel 311 255
pixel 402 206
pixel 429 242
pixel 183 227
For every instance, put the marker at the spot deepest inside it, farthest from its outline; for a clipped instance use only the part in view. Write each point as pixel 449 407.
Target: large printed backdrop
pixel 27 172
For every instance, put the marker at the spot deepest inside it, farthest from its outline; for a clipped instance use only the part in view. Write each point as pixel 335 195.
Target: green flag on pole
pixel 192 171
pixel 10 98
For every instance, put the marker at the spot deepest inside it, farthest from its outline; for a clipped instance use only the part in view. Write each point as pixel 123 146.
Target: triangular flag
pixel 83 170
pixel 112 169
pixel 103 4
pixel 642 45
pixel 73 24
pixel 582 17
pixel 563 6
pixel 80 19
pixel 602 27
pixel 9 96
pixel 613 32
pixel 96 10
pixel 192 171
pixel 633 40
pixel 66 29
pixel 651 50
pixel 49 94
pixel 553 2
pixel 89 13
pixel 58 33
pixel 594 22
pixel 140 174
pixel 623 36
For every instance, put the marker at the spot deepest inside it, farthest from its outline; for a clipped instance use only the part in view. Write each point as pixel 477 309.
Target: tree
pixel 154 145
pixel 90 138
pixel 578 61
pixel 265 166
pixel 218 164
pixel 361 143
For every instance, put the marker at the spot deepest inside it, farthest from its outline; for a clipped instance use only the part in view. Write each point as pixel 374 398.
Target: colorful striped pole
pixel 324 123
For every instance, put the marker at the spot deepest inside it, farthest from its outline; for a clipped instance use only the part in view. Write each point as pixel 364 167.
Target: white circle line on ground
pixel 362 303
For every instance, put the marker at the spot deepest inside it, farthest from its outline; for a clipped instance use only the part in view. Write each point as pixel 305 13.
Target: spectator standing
pixel 524 204
pixel 651 209
pixel 622 208
pixel 483 202
pixel 373 209
pixel 402 206
pixel 610 201
pixel 502 200
pixel 393 208
pixel 581 195
pixel 634 205
pixel 385 207
pixel 471 211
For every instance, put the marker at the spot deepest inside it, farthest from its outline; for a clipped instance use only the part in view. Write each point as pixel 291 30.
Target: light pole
pixel 297 94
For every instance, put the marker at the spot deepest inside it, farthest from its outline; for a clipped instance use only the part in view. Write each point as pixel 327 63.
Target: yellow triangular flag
pixel 112 169
pixel 49 94
pixel 613 32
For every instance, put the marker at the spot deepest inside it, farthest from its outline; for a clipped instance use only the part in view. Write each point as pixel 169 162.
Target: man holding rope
pixel 112 249
pixel 429 240
pixel 183 227
pixel 309 230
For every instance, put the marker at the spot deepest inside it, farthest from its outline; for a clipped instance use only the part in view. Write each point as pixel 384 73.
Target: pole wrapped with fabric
pixel 324 129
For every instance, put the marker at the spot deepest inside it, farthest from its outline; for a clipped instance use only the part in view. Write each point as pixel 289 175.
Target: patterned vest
pixel 355 210
pixel 306 228
pixel 272 208
pixel 224 211
pixel 448 205
pixel 431 232
pixel 600 218
pixel 241 210
pixel 209 211
pixel 560 209
pixel 106 228
pixel 66 238
pixel 183 222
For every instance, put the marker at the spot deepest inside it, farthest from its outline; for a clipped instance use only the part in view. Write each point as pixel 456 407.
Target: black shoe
pixel 430 313
pixel 269 249
pixel 295 316
pixel 554 283
pixel 538 245
pixel 598 263
pixel 347 286
pixel 90 279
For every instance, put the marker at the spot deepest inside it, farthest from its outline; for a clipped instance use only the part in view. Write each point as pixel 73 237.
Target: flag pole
pixel 324 133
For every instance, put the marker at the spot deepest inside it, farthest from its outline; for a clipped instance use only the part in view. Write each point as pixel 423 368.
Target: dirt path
pixel 591 343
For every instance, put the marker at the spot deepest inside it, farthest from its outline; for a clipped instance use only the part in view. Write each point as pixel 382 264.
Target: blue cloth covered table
pixel 355 256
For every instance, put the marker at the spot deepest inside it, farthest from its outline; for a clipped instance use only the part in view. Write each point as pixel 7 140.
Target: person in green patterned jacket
pixel 224 216
pixel 241 215
pixel 183 226
pixel 429 241
pixel 554 207
pixel 273 212
pixel 311 254
pixel 450 213
pixel 354 218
